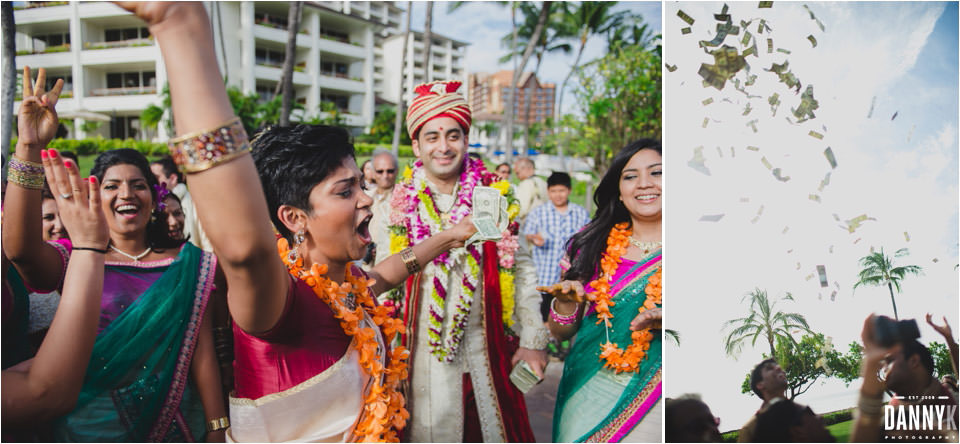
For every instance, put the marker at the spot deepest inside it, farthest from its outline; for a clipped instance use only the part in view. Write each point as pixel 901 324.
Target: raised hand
pixel 78 201
pixel 158 13
pixel 37 119
pixel 565 291
pixel 944 329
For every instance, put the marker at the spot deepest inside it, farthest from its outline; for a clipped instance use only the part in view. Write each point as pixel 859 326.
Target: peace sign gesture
pixel 37 120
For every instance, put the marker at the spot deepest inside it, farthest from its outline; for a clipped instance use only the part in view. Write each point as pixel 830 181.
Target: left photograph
pixel 332 221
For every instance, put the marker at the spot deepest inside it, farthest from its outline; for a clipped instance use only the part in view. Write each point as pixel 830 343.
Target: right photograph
pixel 812 221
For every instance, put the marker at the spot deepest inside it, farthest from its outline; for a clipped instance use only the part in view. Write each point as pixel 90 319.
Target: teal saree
pixel 595 404
pixel 137 386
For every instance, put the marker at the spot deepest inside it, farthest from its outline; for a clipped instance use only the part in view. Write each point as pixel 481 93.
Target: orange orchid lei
pixel 617 359
pixel 384 413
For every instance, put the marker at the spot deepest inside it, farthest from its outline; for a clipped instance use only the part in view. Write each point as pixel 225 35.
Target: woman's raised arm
pixel 223 183
pixel 39 264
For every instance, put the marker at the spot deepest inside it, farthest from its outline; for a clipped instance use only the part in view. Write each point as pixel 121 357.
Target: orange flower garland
pixel 617 359
pixel 384 413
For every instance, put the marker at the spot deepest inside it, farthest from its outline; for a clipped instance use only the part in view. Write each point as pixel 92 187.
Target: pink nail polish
pixel 43 154
pixel 68 163
pixel 52 153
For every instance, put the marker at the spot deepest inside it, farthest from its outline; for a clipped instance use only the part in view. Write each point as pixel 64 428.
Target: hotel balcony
pixel 340 82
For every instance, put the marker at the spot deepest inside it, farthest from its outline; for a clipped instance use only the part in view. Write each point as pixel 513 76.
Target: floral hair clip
pixel 162 193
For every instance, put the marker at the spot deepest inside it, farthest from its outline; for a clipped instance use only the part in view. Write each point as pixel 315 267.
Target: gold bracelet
pixel 202 150
pixel 410 260
pixel 220 423
pixel 25 173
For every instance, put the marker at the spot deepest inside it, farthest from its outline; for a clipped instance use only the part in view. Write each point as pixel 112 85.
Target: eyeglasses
pixel 390 171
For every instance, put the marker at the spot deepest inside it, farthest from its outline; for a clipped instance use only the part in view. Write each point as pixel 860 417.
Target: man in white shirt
pixel 532 190
pixel 385 166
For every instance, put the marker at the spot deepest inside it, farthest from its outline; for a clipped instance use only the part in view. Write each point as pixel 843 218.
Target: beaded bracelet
pixel 569 319
pixel 25 173
pixel 203 150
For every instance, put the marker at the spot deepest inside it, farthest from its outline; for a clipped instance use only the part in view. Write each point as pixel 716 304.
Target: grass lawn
pixel 841 430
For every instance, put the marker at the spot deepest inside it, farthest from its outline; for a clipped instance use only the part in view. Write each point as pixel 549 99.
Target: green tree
pixel 878 269
pixel 153 114
pixel 941 359
pixel 619 97
pixel 765 321
pixel 807 361
pixel 585 20
pixel 381 130
pixel 245 107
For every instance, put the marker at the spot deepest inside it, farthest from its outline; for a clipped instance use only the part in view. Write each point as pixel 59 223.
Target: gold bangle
pixel 220 423
pixel 410 260
pixel 203 150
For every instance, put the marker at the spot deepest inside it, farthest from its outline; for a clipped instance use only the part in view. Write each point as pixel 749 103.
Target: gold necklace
pixel 645 246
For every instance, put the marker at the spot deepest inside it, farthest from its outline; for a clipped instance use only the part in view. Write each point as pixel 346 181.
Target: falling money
pixel 698 162
pixel 830 157
pixel 711 217
pixel 812 40
pixel 683 16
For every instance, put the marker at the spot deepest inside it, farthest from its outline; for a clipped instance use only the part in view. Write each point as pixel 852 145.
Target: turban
pixel 437 99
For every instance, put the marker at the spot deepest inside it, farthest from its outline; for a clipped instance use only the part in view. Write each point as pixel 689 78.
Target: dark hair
pixel 169 167
pixel 914 347
pixel 779 422
pixel 503 164
pixel 157 236
pixel 476 156
pixel 559 178
pixel 292 160
pixel 757 374
pixel 70 155
pixel 586 247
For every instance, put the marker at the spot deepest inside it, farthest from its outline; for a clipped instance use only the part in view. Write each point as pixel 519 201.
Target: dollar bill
pixel 765 5
pixel 683 16
pixel 685 30
pixel 670 67
pixel 906 236
pixel 814 198
pixel 746 37
pixel 523 377
pixel 486 201
pixel 719 152
pixel 785 51
pixel 706 120
pixel 822 272
pixel 812 40
pixel 753 124
pixel 707 101
pixel 753 148
pixel 824 182
pixel 778 173
pixel 747 109
pixel 830 157
pixel 711 217
pixel 815 135
pixel 769 46
pixel 698 162
pixel 872 104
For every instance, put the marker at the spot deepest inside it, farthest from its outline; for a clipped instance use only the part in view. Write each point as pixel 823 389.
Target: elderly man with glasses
pixel 385 167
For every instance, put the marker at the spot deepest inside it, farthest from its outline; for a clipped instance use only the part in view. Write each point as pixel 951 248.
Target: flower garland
pixel 617 359
pixel 415 218
pixel 384 413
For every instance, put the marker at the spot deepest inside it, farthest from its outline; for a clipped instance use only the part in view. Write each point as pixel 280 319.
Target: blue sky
pixel 483 24
pixel 900 172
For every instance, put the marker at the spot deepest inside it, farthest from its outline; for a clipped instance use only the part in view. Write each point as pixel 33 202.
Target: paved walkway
pixel 541 400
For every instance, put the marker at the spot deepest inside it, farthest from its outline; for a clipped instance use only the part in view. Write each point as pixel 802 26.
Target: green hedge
pixel 98 145
pixel 366 149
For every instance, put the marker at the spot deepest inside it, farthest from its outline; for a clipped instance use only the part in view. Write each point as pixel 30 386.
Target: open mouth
pixel 127 210
pixel 363 230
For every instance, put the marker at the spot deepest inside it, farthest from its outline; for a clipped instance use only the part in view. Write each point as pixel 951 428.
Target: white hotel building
pixel 112 67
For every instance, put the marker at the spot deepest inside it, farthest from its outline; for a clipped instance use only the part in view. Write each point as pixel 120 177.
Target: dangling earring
pixel 294 255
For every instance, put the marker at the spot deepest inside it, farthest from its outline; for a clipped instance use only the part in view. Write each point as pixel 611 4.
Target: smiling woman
pixel 154 345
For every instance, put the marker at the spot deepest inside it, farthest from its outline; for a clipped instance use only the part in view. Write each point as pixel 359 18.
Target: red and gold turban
pixel 437 99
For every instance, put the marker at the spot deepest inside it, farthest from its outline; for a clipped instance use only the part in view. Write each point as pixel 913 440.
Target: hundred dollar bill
pixel 683 16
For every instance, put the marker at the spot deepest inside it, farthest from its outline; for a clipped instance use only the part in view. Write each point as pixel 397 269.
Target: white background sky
pixel 483 24
pixel 902 172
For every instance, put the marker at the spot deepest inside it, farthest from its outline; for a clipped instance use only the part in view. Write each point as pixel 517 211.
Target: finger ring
pixel 66 195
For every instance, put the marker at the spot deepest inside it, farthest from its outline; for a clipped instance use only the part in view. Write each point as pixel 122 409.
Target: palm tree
pixel 542 14
pixel 395 144
pixel 551 40
pixel 428 41
pixel 588 18
pixel 289 59
pixel 878 269
pixel 764 321
pixel 9 80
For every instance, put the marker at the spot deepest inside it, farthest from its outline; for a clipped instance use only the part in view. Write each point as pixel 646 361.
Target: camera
pixel 887 332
